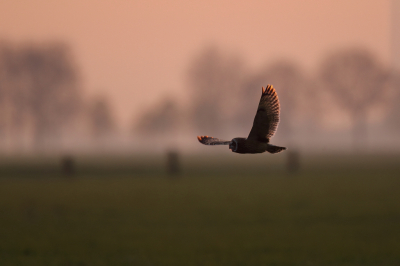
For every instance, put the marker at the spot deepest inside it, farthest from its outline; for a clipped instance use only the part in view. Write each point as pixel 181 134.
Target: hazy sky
pixel 137 52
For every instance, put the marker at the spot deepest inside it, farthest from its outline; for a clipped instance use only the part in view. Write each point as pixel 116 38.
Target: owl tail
pixel 274 149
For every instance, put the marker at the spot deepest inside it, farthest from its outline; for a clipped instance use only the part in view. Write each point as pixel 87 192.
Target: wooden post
pixel 68 165
pixel 173 167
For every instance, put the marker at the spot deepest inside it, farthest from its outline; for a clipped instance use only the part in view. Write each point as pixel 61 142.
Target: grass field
pixel 225 210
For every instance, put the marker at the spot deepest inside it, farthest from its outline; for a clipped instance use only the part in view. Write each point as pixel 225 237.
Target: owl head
pixel 237 145
pixel 233 145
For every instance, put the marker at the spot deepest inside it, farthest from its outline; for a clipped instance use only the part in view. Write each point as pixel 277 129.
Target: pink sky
pixel 137 52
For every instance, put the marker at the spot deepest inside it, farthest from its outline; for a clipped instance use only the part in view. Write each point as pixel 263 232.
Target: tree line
pixel 350 84
pixel 41 100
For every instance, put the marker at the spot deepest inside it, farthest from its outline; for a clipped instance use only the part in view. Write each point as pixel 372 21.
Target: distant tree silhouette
pixel 357 82
pixel 54 97
pixel 39 90
pixel 392 120
pixel 14 91
pixel 214 80
pixel 102 122
pixel 163 118
pixel 3 94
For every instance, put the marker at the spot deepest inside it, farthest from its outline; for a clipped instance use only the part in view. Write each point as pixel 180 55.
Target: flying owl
pixel 264 127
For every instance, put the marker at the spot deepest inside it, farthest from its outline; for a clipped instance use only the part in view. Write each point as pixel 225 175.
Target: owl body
pixel 243 146
pixel 264 126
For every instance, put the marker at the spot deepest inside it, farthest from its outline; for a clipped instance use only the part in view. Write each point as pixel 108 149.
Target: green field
pixel 221 210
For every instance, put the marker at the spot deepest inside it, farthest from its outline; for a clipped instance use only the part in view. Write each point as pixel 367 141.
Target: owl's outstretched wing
pixel 206 140
pixel 267 117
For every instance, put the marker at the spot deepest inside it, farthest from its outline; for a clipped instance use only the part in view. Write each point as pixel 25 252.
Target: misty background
pixel 350 103
pixel 334 96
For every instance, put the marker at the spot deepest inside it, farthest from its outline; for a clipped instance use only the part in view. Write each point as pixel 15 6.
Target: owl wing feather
pixel 267 117
pixel 206 140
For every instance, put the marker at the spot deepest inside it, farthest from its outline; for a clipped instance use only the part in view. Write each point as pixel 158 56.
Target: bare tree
pixel 40 89
pixel 54 96
pixel 14 92
pixel 163 118
pixel 392 120
pixel 358 82
pixel 102 122
pixel 214 80
pixel 3 95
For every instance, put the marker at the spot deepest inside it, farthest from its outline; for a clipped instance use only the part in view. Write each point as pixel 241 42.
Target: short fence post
pixel 173 167
pixel 68 165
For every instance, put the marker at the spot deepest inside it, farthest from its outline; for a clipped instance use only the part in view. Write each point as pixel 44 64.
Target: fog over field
pixel 151 76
